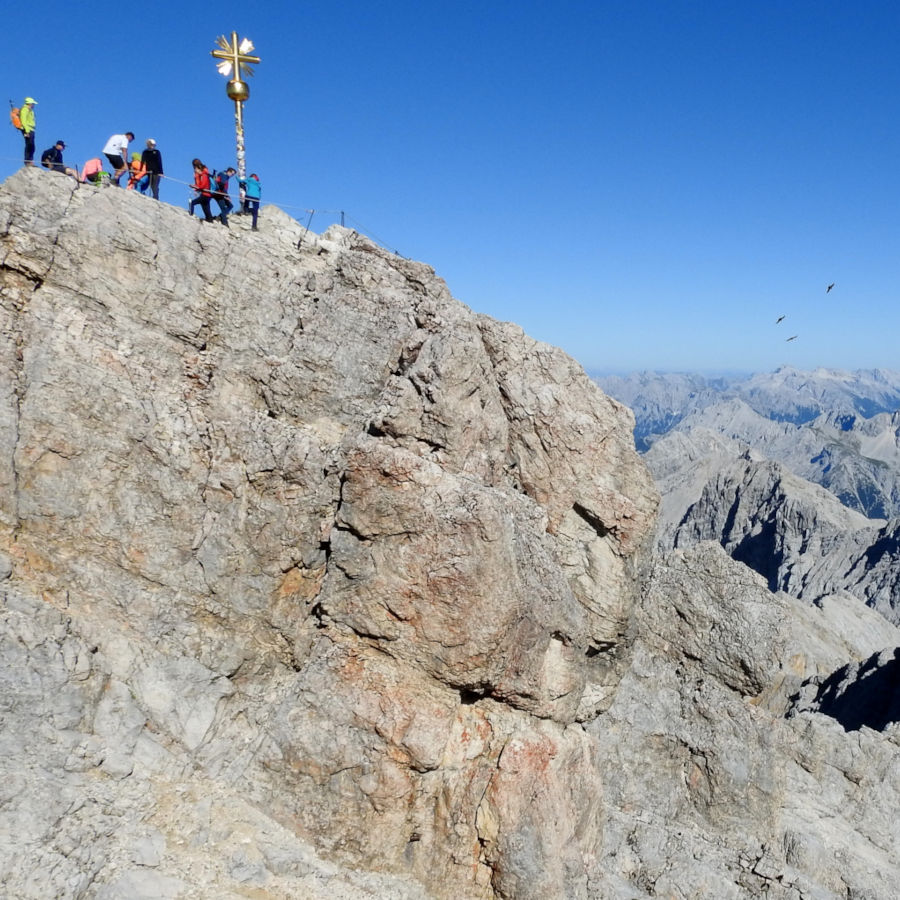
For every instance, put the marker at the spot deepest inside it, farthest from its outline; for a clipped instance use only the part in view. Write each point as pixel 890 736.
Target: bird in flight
pixel 830 286
pixel 793 337
pixel 778 319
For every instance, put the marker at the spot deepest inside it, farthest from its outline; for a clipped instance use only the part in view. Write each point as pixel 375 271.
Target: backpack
pixel 218 182
pixel 15 116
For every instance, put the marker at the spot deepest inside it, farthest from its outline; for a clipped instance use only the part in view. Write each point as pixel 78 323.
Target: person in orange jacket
pixel 204 192
pixel 137 170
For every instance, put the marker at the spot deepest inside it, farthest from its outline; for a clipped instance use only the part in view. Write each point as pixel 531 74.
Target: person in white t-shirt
pixel 116 151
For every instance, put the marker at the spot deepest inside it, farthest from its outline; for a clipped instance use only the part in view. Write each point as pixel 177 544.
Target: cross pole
pixel 236 59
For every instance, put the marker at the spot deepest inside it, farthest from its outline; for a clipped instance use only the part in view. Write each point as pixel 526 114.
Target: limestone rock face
pixel 795 534
pixel 310 572
pixel 857 694
pixel 315 584
pixel 745 802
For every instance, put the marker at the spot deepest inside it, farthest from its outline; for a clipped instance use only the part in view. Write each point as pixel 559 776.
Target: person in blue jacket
pixel 252 192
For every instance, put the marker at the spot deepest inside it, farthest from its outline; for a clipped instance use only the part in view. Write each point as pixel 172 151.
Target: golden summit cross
pixel 235 61
pixel 235 54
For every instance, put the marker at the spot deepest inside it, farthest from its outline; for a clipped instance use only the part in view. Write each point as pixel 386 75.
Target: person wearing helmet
pixel 136 171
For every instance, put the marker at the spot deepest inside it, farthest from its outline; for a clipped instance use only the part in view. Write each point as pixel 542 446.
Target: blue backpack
pixel 218 182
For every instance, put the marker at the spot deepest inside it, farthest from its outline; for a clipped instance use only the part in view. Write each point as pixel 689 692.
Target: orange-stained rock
pixel 321 546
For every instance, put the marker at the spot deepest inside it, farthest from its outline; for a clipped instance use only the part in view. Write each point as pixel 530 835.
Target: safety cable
pixel 284 206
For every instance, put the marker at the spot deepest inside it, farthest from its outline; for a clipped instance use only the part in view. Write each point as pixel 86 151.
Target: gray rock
pixel 139 884
pixel 322 586
pixel 744 802
pixel 859 694
pixel 798 536
pixel 327 545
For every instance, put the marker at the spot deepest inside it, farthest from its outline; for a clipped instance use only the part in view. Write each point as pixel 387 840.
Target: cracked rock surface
pixel 316 584
pixel 311 574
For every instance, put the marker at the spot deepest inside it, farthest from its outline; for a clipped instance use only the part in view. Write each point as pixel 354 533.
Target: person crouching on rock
pixel 137 171
pixel 202 187
pixel 52 159
pixel 92 173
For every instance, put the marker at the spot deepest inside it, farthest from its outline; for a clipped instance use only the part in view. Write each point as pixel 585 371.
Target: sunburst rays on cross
pixel 235 56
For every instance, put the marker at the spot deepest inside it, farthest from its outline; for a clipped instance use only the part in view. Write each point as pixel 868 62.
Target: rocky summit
pixel 316 584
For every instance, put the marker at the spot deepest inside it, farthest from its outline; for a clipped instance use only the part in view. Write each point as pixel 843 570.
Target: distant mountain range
pixel 661 401
pixel 796 474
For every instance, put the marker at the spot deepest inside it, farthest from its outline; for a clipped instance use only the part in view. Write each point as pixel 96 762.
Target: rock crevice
pixel 315 584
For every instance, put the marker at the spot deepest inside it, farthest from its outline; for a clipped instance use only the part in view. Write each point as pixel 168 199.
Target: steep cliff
pixel 795 534
pixel 305 537
pixel 316 584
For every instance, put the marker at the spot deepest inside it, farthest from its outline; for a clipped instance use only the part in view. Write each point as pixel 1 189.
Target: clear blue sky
pixel 645 184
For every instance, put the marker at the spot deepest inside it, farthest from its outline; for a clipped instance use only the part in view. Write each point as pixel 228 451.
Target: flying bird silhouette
pixel 778 319
pixel 793 337
pixel 830 286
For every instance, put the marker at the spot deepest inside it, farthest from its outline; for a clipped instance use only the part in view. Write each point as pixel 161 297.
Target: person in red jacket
pixel 202 187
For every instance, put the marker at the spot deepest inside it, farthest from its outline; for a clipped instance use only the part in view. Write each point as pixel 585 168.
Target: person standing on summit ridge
pixel 202 188
pixel 152 160
pixel 220 193
pixel 252 193
pixel 136 171
pixel 116 151
pixel 26 115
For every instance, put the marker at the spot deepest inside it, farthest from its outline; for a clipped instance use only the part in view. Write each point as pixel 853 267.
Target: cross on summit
pixel 235 56
pixel 236 61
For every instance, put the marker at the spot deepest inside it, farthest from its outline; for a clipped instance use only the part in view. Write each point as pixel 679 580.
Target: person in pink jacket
pixel 91 171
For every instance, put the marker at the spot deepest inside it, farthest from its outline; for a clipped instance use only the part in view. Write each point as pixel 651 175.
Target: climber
pixel 220 193
pixel 137 173
pixel 202 187
pixel 252 192
pixel 116 151
pixel 26 116
pixel 152 160
pixel 52 159
pixel 92 172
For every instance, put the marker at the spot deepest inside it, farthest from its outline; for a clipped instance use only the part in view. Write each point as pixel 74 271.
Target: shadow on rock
pixel 858 694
